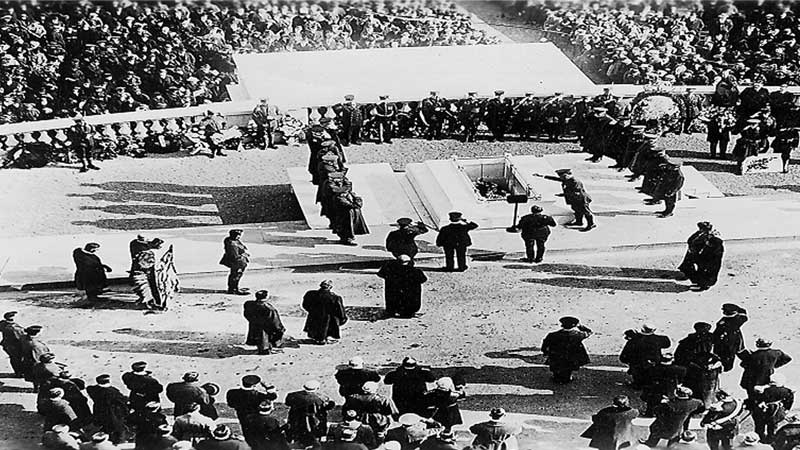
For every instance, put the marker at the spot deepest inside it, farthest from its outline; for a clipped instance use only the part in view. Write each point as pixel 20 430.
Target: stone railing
pixel 138 124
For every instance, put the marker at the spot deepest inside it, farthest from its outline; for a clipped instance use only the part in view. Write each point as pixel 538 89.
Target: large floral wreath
pixel 660 110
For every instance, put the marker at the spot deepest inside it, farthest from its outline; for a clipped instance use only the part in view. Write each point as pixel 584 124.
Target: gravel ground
pixel 251 186
pixel 489 331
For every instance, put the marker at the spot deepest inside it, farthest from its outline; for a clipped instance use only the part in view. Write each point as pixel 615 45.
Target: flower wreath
pixel 671 125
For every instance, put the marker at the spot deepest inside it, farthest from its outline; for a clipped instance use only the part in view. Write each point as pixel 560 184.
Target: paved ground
pixel 488 331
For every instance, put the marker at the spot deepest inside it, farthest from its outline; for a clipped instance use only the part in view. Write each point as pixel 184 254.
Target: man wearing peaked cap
pixel 401 241
pixel 671 417
pixel 564 349
pixel 496 429
pixel 352 377
pixel 728 337
pixel 385 113
pixel 759 365
pixel 432 114
pixel 496 114
pixel 266 118
pixel 110 409
pixel 409 384
pixel 575 196
pixel 352 119
pixel 535 229
pixel 454 239
pixel 469 116
pixel 308 414
pixel 235 258
pixel 143 386
pixel 12 335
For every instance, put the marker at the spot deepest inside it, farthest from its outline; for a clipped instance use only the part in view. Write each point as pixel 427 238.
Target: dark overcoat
pixel 264 324
pixel 403 288
pixel 90 273
pixel 564 349
pixel 611 427
pixel 326 314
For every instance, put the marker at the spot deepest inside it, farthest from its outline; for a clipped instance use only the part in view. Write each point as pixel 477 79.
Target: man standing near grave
pixel 235 258
pixel 266 118
pixel 535 228
pixel 454 238
pixel 575 196
pixel 352 120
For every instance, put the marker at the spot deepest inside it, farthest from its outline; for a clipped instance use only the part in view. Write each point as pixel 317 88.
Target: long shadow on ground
pixel 585 270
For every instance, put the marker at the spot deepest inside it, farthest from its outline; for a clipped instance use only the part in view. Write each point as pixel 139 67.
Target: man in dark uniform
pixel 431 114
pixel 597 133
pixel 81 135
pixel 641 352
pixel 372 408
pixel 247 399
pixel 669 186
pixel 660 381
pixel 527 114
pixel 31 350
pixel 785 142
pixel 564 349
pixel 110 408
pixel 401 241
pixel 602 99
pixel 186 392
pixel 759 365
pixel 264 326
pixel 783 104
pixel 769 404
pixel 352 120
pixel 385 113
pixel 409 385
pixel 235 258
pixel 728 338
pixel 12 334
pixel 143 386
pixel 211 131
pixel 751 100
pixel 535 229
pixel 722 421
pixel 326 314
pixel 575 196
pixel 308 414
pixel 315 136
pixel 454 238
pixel 266 118
pixel 469 115
pixel 403 291
pixel 90 272
pixel 353 377
pixel 693 107
pixel 496 116
pixel 582 110
pixel 554 111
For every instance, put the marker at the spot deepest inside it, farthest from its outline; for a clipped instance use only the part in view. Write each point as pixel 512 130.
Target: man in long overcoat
pixel 90 272
pixel 759 365
pixel 31 350
pixel 496 116
pixel 409 384
pixel 703 259
pixel 403 286
pixel 352 378
pixel 496 433
pixel 143 386
pixel 81 135
pixel 352 120
pixel 454 239
pixel 642 351
pixel 564 349
pixel 661 381
pixel 186 392
pixel 264 326
pixel 12 335
pixel 401 241
pixel 235 258
pixel 266 118
pixel 672 417
pixel 110 409
pixel 575 196
pixel 326 314
pixel 308 414
pixel 728 338
pixel 612 426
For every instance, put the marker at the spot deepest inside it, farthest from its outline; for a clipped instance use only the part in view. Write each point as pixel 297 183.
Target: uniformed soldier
pixel 783 104
pixel 527 114
pixel 432 113
pixel 535 229
pixel 634 141
pixel 660 381
pixel 769 404
pixel 12 334
pixel 597 133
pixel 385 113
pixel 785 142
pixel 582 110
pixel 352 119
pixel 81 135
pixel 454 238
pixel 564 349
pixel 722 420
pixel 401 241
pixel 575 196
pixel 266 118
pixel 470 116
pixel 644 154
pixel 496 116
pixel 555 118
pixel 669 187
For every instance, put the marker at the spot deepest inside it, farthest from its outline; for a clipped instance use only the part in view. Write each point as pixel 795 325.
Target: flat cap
pixel 569 321
pixel 250 380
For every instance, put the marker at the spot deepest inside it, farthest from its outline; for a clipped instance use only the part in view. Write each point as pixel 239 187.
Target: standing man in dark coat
pixel 759 365
pixel 728 338
pixel 612 426
pixel 722 421
pixel 326 314
pixel 454 238
pixel 403 292
pixel 641 352
pixel 769 404
pixel 110 408
pixel 703 259
pixel 564 349
pixel 661 381
pixel 401 241
pixel 672 417
pixel 496 116
pixel 469 114
pixel 248 399
pixel 409 384
pixel 752 99
pixel 782 103
pixel 31 350
pixel 669 187
pixel 186 392
pixel 266 118
pixel 264 326
pixel 143 386
pixel 352 378
pixel 235 258
pixel 308 414
pixel 81 135
pixel 55 409
pixel 693 106
pixel 262 430
pixel 151 426
pixel 12 335
pixel 535 229
pixel 372 408
pixel 698 343
pixel 212 129
pixel 575 196
pixel 137 246
pixel 785 142
pixel 352 120
pixel 496 432
pixel 385 113
pixel 431 114
pixel 90 272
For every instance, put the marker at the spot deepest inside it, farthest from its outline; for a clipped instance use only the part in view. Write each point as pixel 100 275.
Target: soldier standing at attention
pixel 496 116
pixel 384 113
pixel 431 113
pixel 81 135
pixel 470 116
pixel 454 238
pixel 401 241
pixel 266 118
pixel 535 228
pixel 352 120
pixel 236 259
pixel 575 196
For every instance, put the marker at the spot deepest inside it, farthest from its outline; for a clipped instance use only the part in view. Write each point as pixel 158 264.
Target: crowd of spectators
pixel 676 41
pixel 60 58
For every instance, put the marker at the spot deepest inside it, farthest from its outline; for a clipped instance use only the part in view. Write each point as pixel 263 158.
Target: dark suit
pixel 493 434
pixel 144 389
pixel 672 418
pixel 90 273
pixel 641 352
pixel 661 381
pixel 266 119
pixel 611 427
pixel 236 259
pixel 12 334
pixel 759 365
pixel 384 117
pixel 454 238
pixel 409 387
pixel 769 409
pixel 264 326
pixel 326 314
pixel 351 379
pixel 183 393
pixel 535 230
pixel 110 411
pixel 308 416
pixel 82 138
pixel 565 352
pixel 352 119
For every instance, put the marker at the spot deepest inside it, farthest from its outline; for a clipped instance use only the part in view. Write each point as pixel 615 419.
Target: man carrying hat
pixel 759 365
pixel 90 272
pixel 81 136
pixel 247 399
pixel 352 377
pixel 454 239
pixel 186 392
pixel 110 408
pixel 496 116
pixel 535 229
pixel 409 384
pixel 497 432
pixel 352 119
pixel 264 326
pixel 266 118
pixel 12 335
pixel 403 286
pixel 308 414
pixel 401 241
pixel 671 417
pixel 143 386
pixel 575 196
pixel 235 258
pixel 564 349
pixel 703 259
pixel 326 314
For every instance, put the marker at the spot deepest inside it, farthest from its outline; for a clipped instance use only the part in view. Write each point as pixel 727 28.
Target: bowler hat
pixel 262 294
pixel 221 433
pixel 250 380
